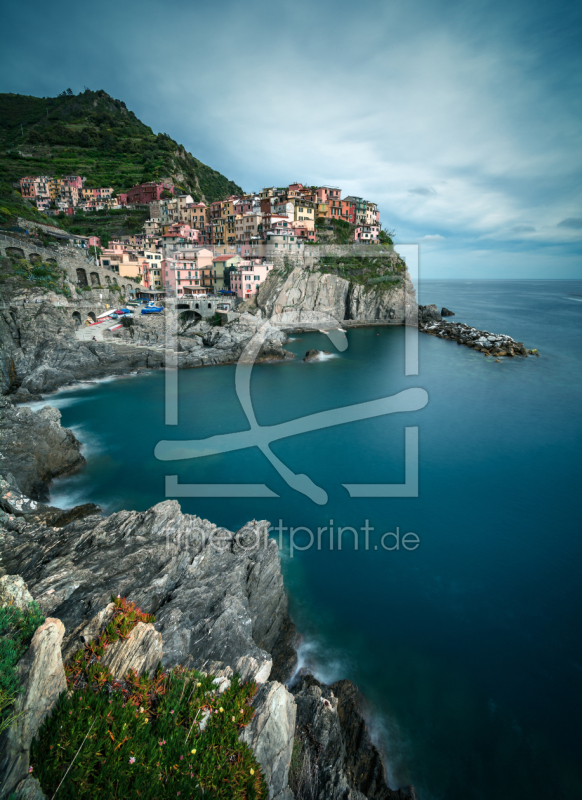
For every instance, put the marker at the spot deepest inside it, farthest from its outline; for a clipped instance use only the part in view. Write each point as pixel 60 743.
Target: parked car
pixel 152 310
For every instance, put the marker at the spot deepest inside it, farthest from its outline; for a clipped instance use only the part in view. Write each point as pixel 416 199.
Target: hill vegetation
pixel 94 135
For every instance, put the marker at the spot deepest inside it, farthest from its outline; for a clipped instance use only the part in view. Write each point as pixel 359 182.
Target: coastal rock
pixel 14 592
pixel 42 677
pixel 446 313
pixel 313 355
pixel 309 297
pixel 428 313
pixel 336 759
pixel 270 734
pixel 141 652
pixel 216 595
pixel 12 501
pixel 58 518
pixel 36 447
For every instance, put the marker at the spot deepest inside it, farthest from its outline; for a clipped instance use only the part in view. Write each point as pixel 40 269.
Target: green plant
pixel 16 631
pixel 146 737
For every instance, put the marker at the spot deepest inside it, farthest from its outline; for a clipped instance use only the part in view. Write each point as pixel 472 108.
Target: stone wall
pixel 80 268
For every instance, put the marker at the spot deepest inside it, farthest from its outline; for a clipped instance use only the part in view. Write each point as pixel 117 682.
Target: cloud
pixel 450 112
pixel 574 223
pixel 426 191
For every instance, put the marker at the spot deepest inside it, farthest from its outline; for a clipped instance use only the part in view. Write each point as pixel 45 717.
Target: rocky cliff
pixel 334 289
pixel 220 606
pixel 39 351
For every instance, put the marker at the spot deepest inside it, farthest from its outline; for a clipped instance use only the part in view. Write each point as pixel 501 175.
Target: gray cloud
pixel 453 103
pixel 574 223
pixel 422 190
pixel 523 229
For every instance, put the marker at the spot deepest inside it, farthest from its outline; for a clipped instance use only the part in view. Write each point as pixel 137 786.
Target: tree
pixel 386 236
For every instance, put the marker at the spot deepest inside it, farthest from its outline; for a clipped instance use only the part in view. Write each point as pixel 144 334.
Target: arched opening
pixel 51 261
pixel 77 317
pixel 95 279
pixel 81 277
pixel 209 305
pixel 34 258
pixel 188 316
pixel 14 252
pixel 182 305
pixel 108 279
pixel 197 305
pixel 91 314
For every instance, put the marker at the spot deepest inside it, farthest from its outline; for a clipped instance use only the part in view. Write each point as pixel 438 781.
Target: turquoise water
pixel 468 647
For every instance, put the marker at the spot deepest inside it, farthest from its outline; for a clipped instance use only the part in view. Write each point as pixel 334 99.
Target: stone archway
pixel 82 277
pixel 77 317
pixel 91 314
pixel 51 261
pixel 108 279
pixel 15 252
pixel 95 279
pixel 34 258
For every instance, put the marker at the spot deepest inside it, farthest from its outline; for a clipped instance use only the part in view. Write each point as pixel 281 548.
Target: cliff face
pixel 316 296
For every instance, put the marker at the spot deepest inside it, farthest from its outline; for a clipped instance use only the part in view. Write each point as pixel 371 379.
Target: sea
pixel 456 609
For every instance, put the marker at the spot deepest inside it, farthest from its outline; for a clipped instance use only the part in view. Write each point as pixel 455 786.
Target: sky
pixel 461 120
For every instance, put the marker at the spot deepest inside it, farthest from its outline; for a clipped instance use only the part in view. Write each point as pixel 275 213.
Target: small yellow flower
pixel 252 771
pixel 221 709
pixel 198 685
pixel 193 751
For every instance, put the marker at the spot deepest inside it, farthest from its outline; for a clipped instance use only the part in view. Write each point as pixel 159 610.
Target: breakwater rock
pixel 495 344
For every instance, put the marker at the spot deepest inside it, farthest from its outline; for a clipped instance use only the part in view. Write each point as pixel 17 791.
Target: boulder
pixel 446 313
pixel 270 734
pixel 42 677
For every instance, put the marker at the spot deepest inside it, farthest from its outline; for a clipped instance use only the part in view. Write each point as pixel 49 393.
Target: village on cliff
pixel 190 248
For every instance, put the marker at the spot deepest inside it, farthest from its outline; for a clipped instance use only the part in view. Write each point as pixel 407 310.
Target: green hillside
pixel 92 134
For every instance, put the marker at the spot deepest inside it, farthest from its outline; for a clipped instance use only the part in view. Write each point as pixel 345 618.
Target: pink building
pixel 327 193
pixel 245 280
pixel 188 272
pixel 94 241
pixel 367 233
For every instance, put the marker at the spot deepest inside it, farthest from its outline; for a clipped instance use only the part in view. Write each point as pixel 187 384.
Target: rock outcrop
pixel 216 595
pixel 311 297
pixel 42 678
pixel 336 759
pixel 36 447
pixel 270 734
pixel 141 651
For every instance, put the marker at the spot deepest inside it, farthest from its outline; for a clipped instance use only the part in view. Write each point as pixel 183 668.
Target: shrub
pixel 145 737
pixel 16 631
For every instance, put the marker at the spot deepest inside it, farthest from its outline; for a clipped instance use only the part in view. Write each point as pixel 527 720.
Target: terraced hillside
pixel 94 135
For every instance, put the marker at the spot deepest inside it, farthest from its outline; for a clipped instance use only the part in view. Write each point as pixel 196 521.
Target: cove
pixel 466 647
